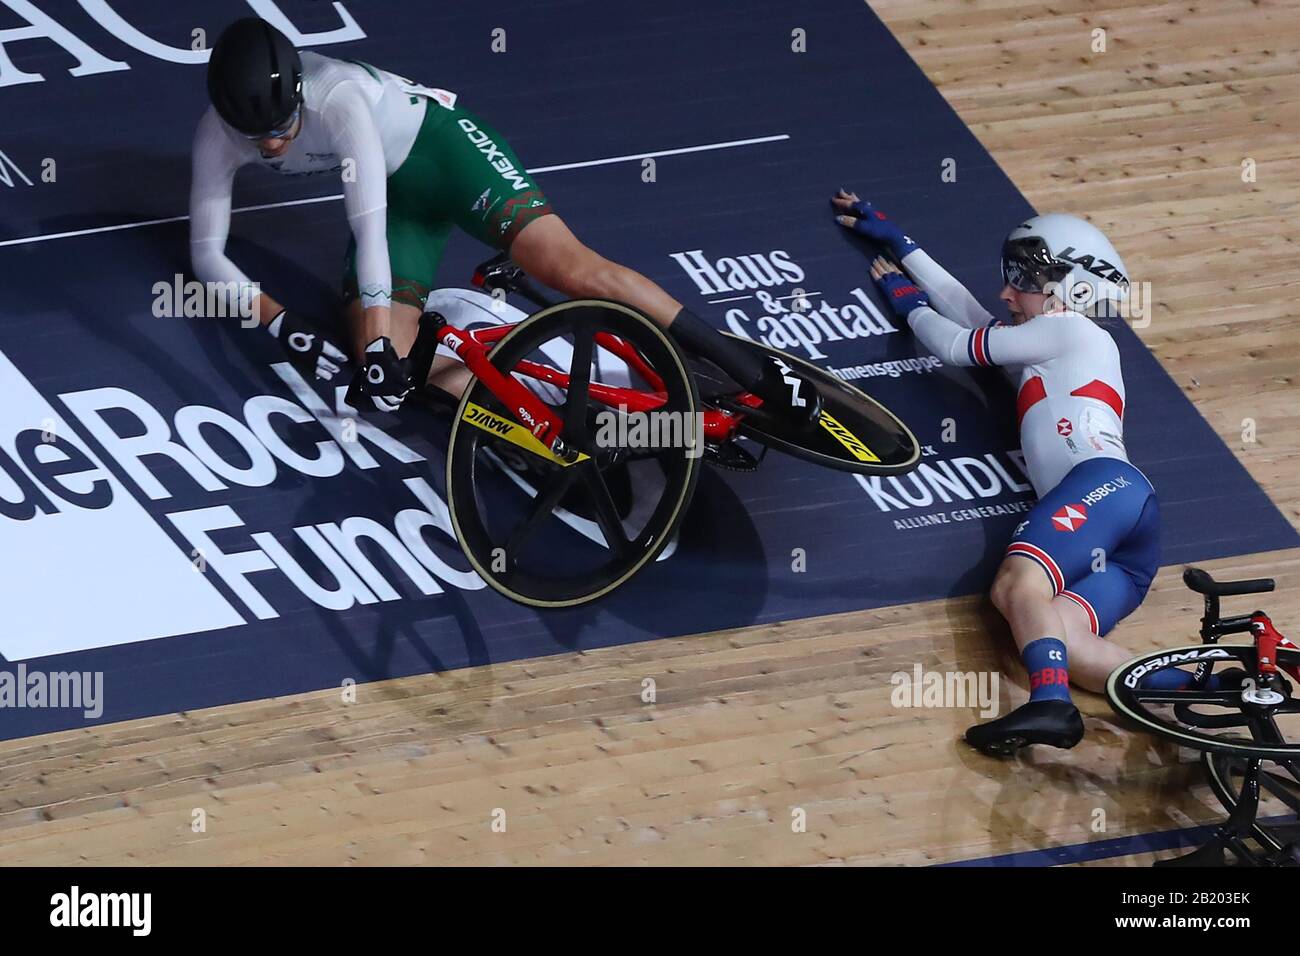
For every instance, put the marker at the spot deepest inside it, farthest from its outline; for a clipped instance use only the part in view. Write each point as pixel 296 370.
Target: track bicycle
pixel 601 420
pixel 1239 711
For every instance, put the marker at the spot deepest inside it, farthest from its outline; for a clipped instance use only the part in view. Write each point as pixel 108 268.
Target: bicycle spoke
pixel 1221 698
pixel 611 526
pixel 1274 735
pixel 546 504
pixel 1285 789
pixel 575 405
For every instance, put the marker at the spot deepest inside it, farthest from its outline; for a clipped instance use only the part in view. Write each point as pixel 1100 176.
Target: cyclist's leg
pixel 1070 543
pixel 548 251
pixel 488 194
pixel 485 189
pixel 1050 549
pixel 1110 593
pixel 1090 608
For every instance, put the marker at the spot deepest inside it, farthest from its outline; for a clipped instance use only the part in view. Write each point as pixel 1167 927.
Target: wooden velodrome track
pixel 751 724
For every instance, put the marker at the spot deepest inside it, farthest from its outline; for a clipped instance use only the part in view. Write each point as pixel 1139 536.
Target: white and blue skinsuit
pixel 1095 530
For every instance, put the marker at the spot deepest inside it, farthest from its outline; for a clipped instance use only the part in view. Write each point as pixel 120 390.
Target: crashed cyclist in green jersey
pixel 413 163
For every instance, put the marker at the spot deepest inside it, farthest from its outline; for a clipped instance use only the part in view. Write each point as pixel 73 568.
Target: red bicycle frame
pixel 1267 641
pixel 472 348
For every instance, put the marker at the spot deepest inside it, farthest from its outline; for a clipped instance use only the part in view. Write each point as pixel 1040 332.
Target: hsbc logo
pixel 1070 518
pixel 1109 488
pixel 1064 428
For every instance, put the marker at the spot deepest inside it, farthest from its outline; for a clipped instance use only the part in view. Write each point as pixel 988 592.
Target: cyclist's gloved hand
pixel 902 294
pixel 308 350
pixel 384 378
pixel 864 218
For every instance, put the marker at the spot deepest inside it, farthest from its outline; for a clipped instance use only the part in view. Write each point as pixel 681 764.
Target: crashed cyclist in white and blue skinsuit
pixel 1085 556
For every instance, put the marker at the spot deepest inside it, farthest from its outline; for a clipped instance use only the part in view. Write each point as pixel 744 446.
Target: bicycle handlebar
pixel 1202 583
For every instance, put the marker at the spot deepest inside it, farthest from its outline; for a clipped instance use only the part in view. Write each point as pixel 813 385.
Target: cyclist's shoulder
pixel 1067 327
pixel 217 144
pixel 323 76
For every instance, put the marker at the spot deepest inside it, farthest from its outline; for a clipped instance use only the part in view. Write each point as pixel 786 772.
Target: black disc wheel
pixel 854 433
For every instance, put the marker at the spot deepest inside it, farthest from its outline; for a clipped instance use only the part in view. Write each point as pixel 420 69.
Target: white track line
pixel 663 152
pixel 303 202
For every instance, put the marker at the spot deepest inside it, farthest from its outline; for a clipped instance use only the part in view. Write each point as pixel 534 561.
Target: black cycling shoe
pixel 1053 722
pixel 786 393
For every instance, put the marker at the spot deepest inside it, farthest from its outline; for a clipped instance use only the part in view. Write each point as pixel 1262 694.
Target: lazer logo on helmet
pixel 1096 265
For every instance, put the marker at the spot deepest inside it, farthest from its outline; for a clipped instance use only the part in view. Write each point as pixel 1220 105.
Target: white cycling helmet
pixel 1068 257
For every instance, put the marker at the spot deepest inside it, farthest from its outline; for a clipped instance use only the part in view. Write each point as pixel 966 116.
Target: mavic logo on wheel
pixel 846 438
pixel 513 432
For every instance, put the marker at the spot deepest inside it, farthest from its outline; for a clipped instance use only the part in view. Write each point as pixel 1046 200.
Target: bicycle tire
pixel 533 588
pixel 891 442
pixel 1218 771
pixel 1125 698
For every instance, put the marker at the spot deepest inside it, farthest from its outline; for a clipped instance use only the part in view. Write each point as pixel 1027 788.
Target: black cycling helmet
pixel 255 77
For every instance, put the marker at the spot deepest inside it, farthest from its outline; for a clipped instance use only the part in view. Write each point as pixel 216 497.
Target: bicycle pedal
pixel 731 456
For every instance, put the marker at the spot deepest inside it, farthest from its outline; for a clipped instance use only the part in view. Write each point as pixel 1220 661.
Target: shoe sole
pixel 1007 746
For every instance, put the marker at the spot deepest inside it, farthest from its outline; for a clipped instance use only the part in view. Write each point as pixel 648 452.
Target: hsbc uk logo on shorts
pixel 1072 517
pixel 1104 489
